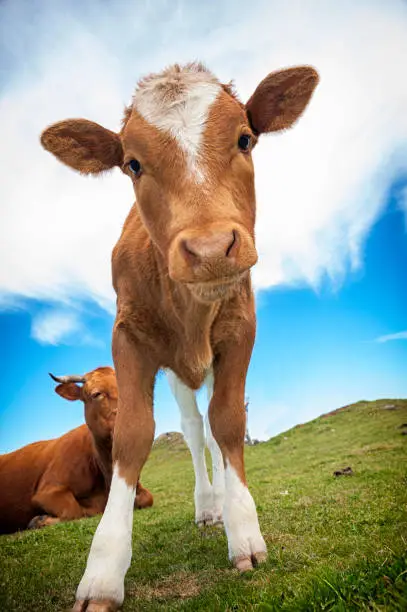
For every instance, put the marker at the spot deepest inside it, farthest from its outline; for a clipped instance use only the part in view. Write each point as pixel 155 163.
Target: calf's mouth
pixel 219 289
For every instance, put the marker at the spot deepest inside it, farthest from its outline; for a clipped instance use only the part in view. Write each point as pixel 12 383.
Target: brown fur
pixel 69 477
pixel 178 308
pixel 275 108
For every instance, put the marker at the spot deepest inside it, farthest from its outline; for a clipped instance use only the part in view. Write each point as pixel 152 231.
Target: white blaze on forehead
pixel 178 101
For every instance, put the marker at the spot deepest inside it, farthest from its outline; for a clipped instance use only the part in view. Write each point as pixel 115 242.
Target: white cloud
pixel 54 327
pixel 320 186
pixel 389 337
pixel 63 326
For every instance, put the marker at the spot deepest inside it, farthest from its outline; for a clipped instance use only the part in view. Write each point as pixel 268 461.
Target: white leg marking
pixel 218 471
pixel 241 522
pixel 110 552
pixel 192 428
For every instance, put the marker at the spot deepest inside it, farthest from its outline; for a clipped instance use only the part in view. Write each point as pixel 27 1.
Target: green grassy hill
pixel 335 543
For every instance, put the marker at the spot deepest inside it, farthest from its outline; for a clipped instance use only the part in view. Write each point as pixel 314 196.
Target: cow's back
pixel 20 472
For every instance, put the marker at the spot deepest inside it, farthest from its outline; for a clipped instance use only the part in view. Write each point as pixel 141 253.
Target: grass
pixel 334 544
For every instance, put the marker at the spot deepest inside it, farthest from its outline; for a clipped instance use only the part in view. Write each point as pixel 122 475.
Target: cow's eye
pixel 96 394
pixel 244 142
pixel 135 167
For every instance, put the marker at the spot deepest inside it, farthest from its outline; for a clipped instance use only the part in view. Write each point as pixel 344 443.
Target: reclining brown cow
pixel 69 477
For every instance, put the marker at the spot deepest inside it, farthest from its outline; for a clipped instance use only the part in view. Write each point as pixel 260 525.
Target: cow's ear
pixel 83 145
pixel 281 98
pixel 69 391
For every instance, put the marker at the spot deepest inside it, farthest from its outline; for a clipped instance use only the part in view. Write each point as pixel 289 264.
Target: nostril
pixel 188 249
pixel 232 244
pixel 211 245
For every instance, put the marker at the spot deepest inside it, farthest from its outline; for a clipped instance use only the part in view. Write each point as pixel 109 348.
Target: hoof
pixel 258 558
pixel 209 523
pixel 42 520
pixel 209 519
pixel 94 605
pixel 37 522
pixel 245 563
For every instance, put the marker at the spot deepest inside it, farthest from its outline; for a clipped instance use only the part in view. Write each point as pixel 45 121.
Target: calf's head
pixel 186 144
pixel 98 391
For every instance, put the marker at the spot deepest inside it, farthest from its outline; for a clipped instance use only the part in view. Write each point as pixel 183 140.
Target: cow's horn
pixel 67 379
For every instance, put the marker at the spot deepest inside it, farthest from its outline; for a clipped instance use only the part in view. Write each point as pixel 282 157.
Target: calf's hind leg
pixel 102 586
pixel 218 471
pixel 193 430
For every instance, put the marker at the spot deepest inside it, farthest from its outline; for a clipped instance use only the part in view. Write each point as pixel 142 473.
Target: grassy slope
pixel 334 543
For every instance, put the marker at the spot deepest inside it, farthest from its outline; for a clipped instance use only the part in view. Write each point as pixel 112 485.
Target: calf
pixel 69 477
pixel 184 295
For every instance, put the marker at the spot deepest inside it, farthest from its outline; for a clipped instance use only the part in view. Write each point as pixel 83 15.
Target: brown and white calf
pixel 69 477
pixel 184 296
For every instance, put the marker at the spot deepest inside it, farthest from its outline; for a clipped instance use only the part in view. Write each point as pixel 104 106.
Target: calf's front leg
pixel 102 586
pixel 227 418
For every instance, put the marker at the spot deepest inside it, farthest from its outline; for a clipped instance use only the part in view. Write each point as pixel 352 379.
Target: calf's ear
pixel 83 145
pixel 69 391
pixel 281 98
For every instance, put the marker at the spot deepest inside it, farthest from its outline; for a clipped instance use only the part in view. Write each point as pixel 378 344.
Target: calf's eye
pixel 244 142
pixel 96 394
pixel 135 167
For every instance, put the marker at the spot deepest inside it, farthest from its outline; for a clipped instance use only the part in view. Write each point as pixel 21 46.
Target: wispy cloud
pixel 54 327
pixel 320 186
pixel 62 326
pixel 389 337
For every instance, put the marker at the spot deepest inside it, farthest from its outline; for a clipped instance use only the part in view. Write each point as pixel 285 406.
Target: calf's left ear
pixel 69 391
pixel 281 98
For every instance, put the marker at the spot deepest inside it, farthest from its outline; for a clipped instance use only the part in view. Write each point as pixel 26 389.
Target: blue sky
pixel 332 201
pixel 314 351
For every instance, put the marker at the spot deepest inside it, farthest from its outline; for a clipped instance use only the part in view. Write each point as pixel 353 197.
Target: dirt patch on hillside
pixel 182 585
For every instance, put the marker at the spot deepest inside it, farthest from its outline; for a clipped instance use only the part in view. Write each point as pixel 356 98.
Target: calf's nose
pixel 217 244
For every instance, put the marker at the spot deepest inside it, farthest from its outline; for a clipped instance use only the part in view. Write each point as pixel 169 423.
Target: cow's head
pixel 186 144
pixel 98 391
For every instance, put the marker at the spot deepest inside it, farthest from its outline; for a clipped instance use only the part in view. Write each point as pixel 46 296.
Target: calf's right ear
pixel 83 145
pixel 69 391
